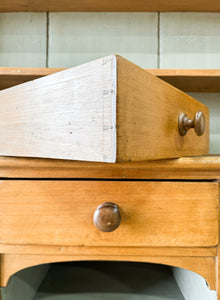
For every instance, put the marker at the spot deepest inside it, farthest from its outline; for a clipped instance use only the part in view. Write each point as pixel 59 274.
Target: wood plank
pixel 205 266
pixel 191 168
pixel 10 76
pixel 153 214
pixel 70 114
pixel 105 251
pixel 23 39
pixel 36 123
pixel 187 80
pixel 147 117
pixel 98 5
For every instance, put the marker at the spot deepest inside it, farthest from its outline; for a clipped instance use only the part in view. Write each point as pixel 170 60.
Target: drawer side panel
pixel 147 117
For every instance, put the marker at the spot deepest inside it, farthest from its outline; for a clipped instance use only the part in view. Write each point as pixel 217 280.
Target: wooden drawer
pixel 107 110
pixel 60 212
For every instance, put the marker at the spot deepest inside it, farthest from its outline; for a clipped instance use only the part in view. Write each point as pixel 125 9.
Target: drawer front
pixel 152 213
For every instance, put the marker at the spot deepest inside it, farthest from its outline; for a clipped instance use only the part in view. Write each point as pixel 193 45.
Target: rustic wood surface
pixel 98 5
pixel 147 117
pixel 70 114
pixel 185 80
pixel 106 251
pixel 13 76
pixel 204 167
pixel 152 213
pixel 200 81
pixel 204 266
pixel 44 118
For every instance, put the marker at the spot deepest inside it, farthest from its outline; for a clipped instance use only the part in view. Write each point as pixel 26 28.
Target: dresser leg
pixel 12 263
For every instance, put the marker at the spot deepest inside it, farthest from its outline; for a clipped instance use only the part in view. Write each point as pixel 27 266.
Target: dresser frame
pixel 202 260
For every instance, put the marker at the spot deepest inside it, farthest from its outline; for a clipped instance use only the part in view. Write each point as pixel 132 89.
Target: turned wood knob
pixel 107 217
pixel 198 123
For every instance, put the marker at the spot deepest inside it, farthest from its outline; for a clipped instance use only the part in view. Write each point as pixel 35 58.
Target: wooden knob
pixel 107 217
pixel 198 123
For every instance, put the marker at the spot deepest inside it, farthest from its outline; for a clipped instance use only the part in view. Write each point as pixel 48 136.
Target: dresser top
pixel 191 168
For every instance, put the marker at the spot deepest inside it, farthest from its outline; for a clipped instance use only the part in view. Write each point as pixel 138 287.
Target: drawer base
pixel 205 266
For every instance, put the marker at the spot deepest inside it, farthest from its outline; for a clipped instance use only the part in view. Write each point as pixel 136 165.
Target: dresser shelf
pixel 114 5
pixel 187 80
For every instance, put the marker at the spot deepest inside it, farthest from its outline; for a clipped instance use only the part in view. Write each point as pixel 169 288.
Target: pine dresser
pixel 162 212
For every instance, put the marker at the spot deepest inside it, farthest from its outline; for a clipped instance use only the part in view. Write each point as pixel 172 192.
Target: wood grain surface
pixel 73 115
pixel 152 213
pixel 205 266
pixel 10 76
pixel 204 167
pixel 98 5
pixel 191 80
pixel 147 117
pixel 188 80
pixel 70 114
pixel 108 250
